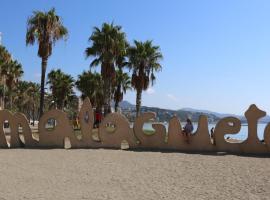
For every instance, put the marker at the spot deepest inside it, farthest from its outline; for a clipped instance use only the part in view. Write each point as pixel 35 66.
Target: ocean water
pixel 242 135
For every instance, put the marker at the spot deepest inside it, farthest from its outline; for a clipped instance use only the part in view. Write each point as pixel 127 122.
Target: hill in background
pixel 164 115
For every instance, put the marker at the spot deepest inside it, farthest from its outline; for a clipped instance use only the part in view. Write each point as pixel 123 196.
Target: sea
pixel 242 135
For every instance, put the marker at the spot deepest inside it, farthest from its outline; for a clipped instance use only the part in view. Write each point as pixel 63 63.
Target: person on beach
pixel 212 135
pixel 212 132
pixel 76 122
pixel 188 130
pixel 98 119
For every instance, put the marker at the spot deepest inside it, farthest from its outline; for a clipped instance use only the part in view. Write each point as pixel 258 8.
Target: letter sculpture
pixel 160 139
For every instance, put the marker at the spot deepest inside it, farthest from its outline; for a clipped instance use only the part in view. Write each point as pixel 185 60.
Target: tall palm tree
pixel 61 85
pixel 144 60
pixel 123 84
pixel 45 28
pixel 107 45
pixel 91 85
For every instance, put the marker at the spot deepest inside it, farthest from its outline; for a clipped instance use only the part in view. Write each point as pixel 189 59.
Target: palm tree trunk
pixel 61 106
pixel 109 110
pixel 2 102
pixel 33 116
pixel 106 74
pixel 116 105
pixel 117 98
pixel 11 102
pixel 138 102
pixel 42 88
pixel 107 95
pixel 4 92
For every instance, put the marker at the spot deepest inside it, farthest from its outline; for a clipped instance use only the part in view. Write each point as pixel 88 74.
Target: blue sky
pixel 216 53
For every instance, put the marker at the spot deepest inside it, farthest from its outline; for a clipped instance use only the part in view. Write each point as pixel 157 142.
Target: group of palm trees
pixel 123 66
pixel 10 71
pixel 16 95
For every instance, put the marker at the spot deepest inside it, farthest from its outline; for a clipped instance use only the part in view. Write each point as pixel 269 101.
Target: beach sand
pixel 122 175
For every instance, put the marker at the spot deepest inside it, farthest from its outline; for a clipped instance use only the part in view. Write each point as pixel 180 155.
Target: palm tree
pixel 107 45
pixel 4 55
pixel 144 60
pixel 61 86
pixel 13 73
pixel 32 100
pixel 21 95
pixel 10 72
pixel 5 58
pixel 91 85
pixel 72 104
pixel 27 99
pixel 45 28
pixel 123 84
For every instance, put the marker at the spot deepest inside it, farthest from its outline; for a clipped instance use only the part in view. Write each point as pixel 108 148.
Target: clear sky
pixel 216 53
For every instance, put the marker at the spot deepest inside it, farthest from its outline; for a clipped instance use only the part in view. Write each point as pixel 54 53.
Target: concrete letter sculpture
pixel 151 141
pixel 26 130
pixel 122 131
pixel 115 129
pixel 200 141
pixel 86 118
pixel 253 144
pixel 5 115
pixel 55 138
pixel 227 125
pixel 267 136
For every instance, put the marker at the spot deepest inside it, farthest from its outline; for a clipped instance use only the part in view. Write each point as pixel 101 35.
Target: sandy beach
pixel 115 174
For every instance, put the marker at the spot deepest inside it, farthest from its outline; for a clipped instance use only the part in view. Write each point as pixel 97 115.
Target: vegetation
pixel 108 46
pixel 144 60
pixel 123 84
pixel 5 58
pixel 27 99
pixel 61 86
pixel 91 85
pixel 10 71
pixel 108 50
pixel 45 28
